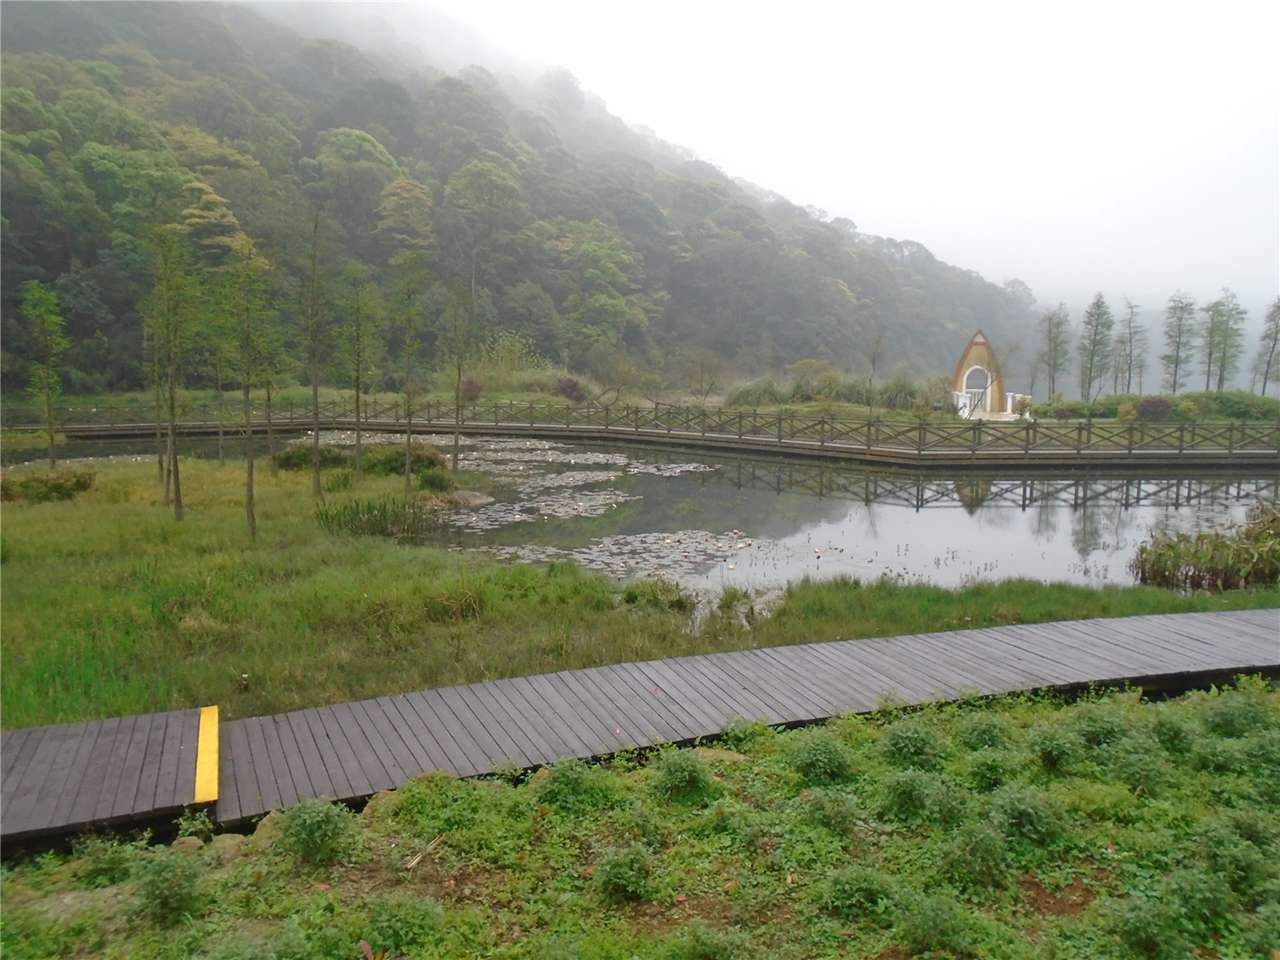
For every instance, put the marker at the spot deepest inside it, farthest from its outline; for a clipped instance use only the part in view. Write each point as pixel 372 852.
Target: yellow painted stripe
pixel 207 757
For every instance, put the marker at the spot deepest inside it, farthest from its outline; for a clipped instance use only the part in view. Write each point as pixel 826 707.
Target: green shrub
pixel 386 517
pixel 1172 732
pixel 1262 931
pixel 1203 897
pixel 1150 926
pixel 1235 713
pixel 316 831
pixel 1102 801
pixel 1216 560
pixel 859 893
pixel 742 733
pixel 659 594
pixel 197 825
pixel 1242 865
pixel 983 729
pixel 639 824
pixel 339 481
pixel 44 487
pixel 1057 749
pixel 297 456
pixel 820 757
pixel 400 925
pixel 698 941
pixel 913 796
pixel 435 480
pixel 1023 813
pixel 387 460
pixel 1138 764
pixel 682 777
pixel 1097 724
pixel 912 743
pixel 975 855
pixel 757 393
pixel 989 768
pixel 625 873
pixel 834 811
pixel 1219 756
pixel 167 886
pixel 936 924
pixel 574 787
pixel 107 861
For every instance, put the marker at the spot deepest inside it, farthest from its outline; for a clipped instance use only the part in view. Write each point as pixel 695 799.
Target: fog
pixel 1131 149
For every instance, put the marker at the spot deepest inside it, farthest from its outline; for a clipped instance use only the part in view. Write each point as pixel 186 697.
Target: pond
pixel 713 521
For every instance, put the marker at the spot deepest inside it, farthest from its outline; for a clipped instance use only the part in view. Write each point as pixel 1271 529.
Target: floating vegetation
pixel 388 517
pixel 1244 557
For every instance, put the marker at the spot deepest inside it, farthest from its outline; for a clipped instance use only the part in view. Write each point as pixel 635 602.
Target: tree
pixel 1094 347
pixel 1179 340
pixel 167 312
pixel 315 336
pixel 457 340
pixel 1131 349
pixel 362 312
pixel 1221 339
pixel 46 327
pixel 1269 347
pixel 252 315
pixel 217 341
pixel 1055 344
pixel 412 276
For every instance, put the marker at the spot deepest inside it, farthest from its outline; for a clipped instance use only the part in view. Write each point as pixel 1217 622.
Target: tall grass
pixel 1228 560
pixel 110 607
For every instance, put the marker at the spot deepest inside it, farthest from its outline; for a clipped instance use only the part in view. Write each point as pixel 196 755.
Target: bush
pixel 387 459
pixel 983 729
pixel 912 743
pixel 820 757
pixel 1022 813
pixel 1218 756
pixel 990 768
pixel 623 874
pixel 1213 561
pixel 660 595
pixel 107 861
pixel 913 796
pixel 1150 926
pixel 975 855
pixel 398 926
pixel 1137 762
pixel 698 941
pixel 859 893
pixel 758 393
pixel 1187 411
pixel 1056 749
pixel 936 924
pixel 1154 408
pixel 1235 713
pixel 1172 732
pixel 297 456
pixel 316 831
pixel 574 787
pixel 1262 932
pixel 1097 724
pixel 834 811
pixel 741 733
pixel 435 480
pixel 470 390
pixel 196 825
pixel 571 390
pixel 167 886
pixel 682 777
pixel 44 487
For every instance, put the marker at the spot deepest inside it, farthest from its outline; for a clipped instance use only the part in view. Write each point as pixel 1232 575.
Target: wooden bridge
pixel 909 442
pixel 133 770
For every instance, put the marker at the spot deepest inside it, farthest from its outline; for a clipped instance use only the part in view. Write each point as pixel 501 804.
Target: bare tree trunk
pixel 457 411
pixel 222 455
pixel 408 438
pixel 359 464
pixel 249 514
pixel 161 472
pixel 271 436
pixel 315 429
pixel 173 438
pixel 313 355
pixel 48 422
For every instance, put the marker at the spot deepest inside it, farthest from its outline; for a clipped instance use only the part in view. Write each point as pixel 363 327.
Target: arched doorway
pixel 977 385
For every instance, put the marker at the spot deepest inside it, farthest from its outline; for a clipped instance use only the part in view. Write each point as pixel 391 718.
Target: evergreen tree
pixel 1179 340
pixel 1268 348
pixel 1094 348
pixel 1055 339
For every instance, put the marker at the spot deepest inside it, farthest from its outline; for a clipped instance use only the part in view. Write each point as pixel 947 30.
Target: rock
pixel 266 833
pixel 187 846
pixel 228 846
pixel 470 499
pixel 716 755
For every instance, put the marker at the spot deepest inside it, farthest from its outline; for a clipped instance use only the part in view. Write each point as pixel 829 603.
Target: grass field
pixel 1018 828
pixel 111 607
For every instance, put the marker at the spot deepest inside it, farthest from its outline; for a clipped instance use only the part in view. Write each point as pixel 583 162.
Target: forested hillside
pixel 596 241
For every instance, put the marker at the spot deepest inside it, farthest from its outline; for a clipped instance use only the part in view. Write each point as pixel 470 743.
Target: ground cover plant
pixel 718 853
pixel 111 608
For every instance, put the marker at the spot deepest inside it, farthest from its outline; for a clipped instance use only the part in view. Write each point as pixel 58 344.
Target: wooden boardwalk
pixel 134 769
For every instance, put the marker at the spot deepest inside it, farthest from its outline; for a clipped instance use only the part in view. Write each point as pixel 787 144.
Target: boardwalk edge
pixel 206 790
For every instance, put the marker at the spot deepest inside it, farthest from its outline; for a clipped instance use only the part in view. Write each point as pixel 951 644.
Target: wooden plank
pixel 170 755
pixel 423 738
pixel 642 717
pixel 31 803
pixel 628 734
pixel 749 704
pixel 331 753
pixel 363 768
pixel 566 737
pixel 501 731
pixel 866 686
pixel 60 812
pixel 530 741
pixel 687 719
pixel 135 756
pixel 249 801
pixel 306 769
pixel 456 738
pixel 188 755
pixel 417 760
pixel 576 692
pixel 149 776
pixel 21 764
pixel 457 761
pixel 91 784
pixel 718 708
pixel 113 773
pixel 263 769
pixel 289 794
pixel 496 746
pixel 535 723
pixel 582 727
pixel 677 719
pixel 227 808
pixel 792 704
pixel 11 742
pixel 389 744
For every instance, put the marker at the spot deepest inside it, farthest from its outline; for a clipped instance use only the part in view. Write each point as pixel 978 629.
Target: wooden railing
pixel 800 431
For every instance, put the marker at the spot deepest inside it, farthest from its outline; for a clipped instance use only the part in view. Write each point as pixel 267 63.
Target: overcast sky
pixel 1124 147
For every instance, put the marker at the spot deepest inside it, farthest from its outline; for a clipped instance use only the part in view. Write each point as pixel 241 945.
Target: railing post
pixel 822 431
pixel 606 416
pixel 1026 438
pixel 779 428
pixel 739 424
pixel 1182 436
pixel 1231 438
pixel 1130 438
pixel 1079 436
pixel 920 440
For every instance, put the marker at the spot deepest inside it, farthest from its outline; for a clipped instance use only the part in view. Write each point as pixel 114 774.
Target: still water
pixel 710 522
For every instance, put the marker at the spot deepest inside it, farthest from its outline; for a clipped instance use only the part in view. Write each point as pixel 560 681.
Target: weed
pixel 399 926
pixel 834 811
pixel 339 482
pixel 1235 715
pixel 625 873
pixel 1219 756
pixel 859 893
pixel 936 924
pixel 573 787
pixel 392 517
pixel 1097 724
pixel 316 831
pixel 1137 763
pixel 1023 813
pixel 434 480
pixel 912 743
pixel 682 777
pixel 1056 749
pixel 982 728
pixel 387 460
pixel 196 824
pixel 1172 732
pixel 660 595
pixel 990 767
pixel 743 733
pixel 1213 561
pixel 976 855
pixel 167 886
pixel 298 456
pixel 914 796
pixel 698 941
pixel 820 757
pixel 1102 802
pixel 107 861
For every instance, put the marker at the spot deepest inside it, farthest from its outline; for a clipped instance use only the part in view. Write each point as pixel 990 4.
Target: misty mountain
pixel 594 239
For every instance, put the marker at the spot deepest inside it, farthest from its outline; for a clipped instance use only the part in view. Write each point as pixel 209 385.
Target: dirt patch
pixel 1071 901
pixel 658 918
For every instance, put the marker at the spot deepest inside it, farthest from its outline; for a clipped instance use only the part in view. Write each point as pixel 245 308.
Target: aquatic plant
pixel 1244 557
